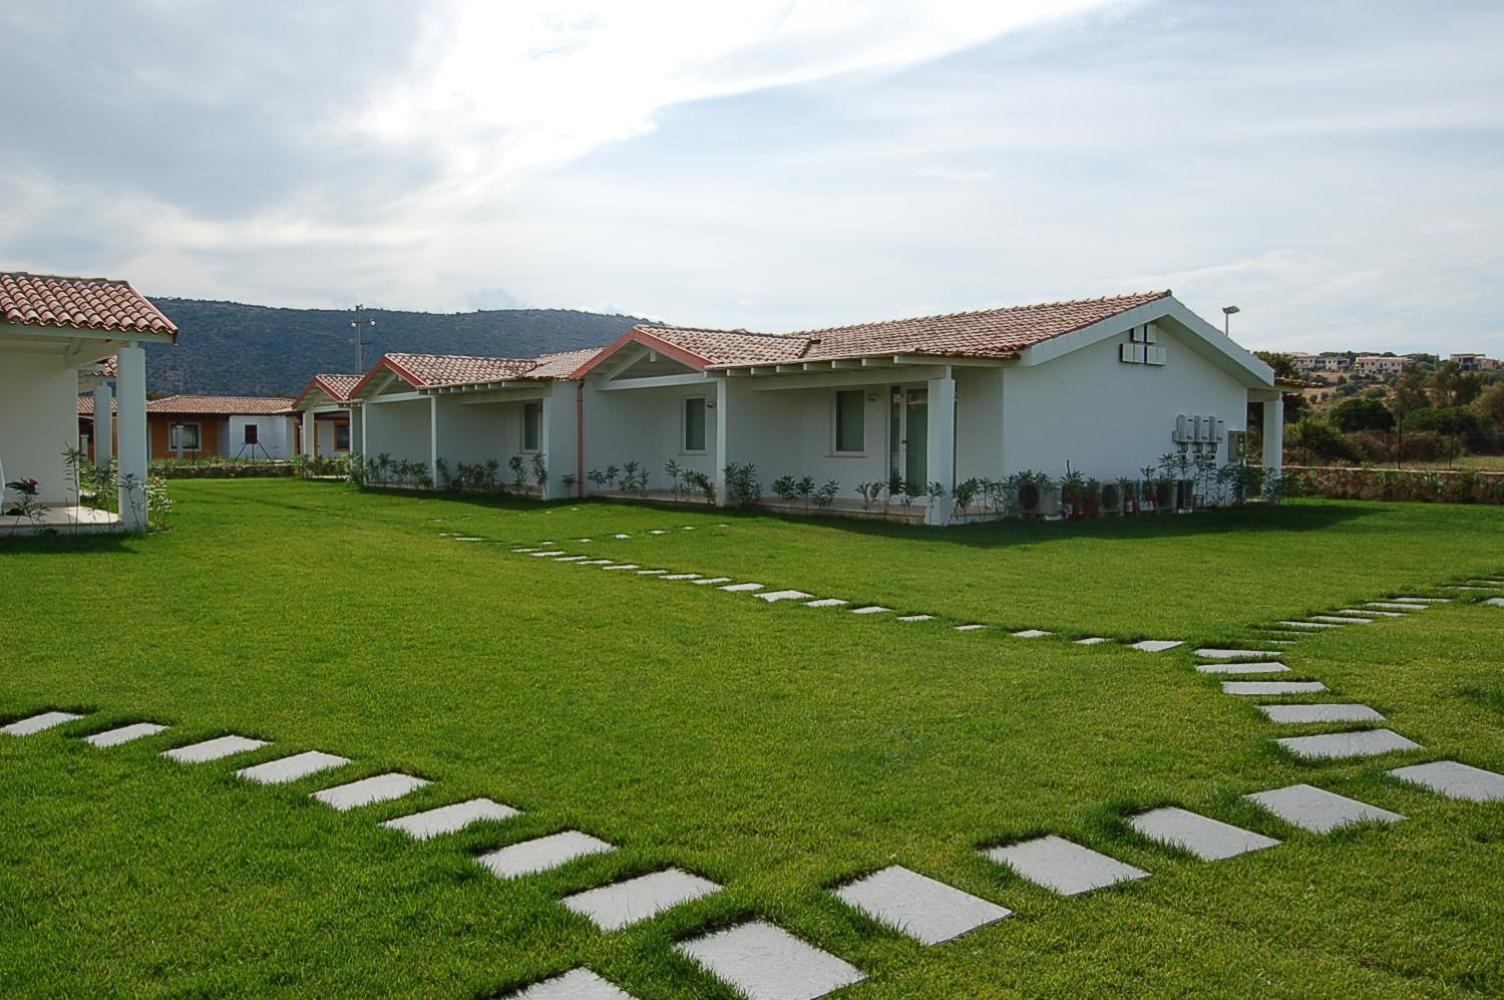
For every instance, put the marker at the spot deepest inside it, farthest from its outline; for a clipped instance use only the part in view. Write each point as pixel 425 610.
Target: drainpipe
pixel 579 438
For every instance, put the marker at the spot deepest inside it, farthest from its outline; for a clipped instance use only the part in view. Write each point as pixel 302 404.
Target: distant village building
pixel 1381 364
pixel 1320 362
pixel 1475 362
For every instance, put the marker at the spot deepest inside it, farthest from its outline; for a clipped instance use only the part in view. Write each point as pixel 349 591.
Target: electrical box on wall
pixel 1198 430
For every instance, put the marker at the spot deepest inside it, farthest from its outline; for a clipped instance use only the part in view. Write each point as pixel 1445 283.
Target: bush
pixel 1362 415
pixel 1317 439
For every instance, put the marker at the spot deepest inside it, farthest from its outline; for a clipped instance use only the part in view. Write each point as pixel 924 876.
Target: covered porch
pixel 63 519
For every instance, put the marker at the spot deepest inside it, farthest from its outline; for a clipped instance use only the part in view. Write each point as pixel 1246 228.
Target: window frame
pixel 341 427
pixel 250 433
pixel 684 448
pixel 529 408
pixel 175 430
pixel 835 424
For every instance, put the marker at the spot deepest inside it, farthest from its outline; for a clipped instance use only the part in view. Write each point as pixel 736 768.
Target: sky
pixel 1336 170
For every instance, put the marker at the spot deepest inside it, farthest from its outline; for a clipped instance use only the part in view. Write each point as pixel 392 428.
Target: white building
pixel 1475 362
pixel 60 336
pixel 1381 364
pixel 331 423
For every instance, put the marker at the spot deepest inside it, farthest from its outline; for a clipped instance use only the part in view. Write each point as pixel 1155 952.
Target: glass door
pixel 908 435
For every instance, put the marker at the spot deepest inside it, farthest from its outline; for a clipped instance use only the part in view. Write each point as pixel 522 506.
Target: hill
pixel 232 348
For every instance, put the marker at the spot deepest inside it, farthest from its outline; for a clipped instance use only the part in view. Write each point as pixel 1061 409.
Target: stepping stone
pixel 774 596
pixel 1336 746
pixel 682 576
pixel 37 723
pixel 916 618
pixel 1312 626
pixel 1235 654
pixel 1423 600
pixel 433 823
pixel 582 540
pixel 619 535
pixel 742 588
pixel 612 907
pixel 1251 688
pixel 1206 838
pixel 1064 866
pixel 688 527
pixel 1253 667
pixel 467 538
pixel 705 581
pixel 1455 781
pixel 1497 602
pixel 294 768
pixel 548 554
pixel 369 791
pixel 767 963
pixel 928 911
pixel 1095 640
pixel 524 551
pixel 871 609
pixel 1339 620
pixel 1370 613
pixel 1303 714
pixel 543 854
pixel 1282 642
pixel 1460 586
pixel 1157 645
pixel 826 602
pixel 970 628
pixel 115 737
pixel 1317 810
pixel 596 562
pixel 576 984
pixel 1030 633
pixel 222 746
pixel 651 572
pixel 657 531
pixel 570 559
pixel 1396 606
pixel 616 566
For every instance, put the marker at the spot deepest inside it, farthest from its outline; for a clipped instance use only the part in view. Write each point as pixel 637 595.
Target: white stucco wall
pixel 800 435
pixel 646 426
pixel 275 437
pixel 398 429
pixel 1105 417
pixel 38 419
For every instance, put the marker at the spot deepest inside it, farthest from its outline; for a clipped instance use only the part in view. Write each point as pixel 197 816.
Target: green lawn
pixel 778 750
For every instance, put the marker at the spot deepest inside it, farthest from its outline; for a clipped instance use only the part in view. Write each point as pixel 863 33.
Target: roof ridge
pixel 1151 295
pixel 66 277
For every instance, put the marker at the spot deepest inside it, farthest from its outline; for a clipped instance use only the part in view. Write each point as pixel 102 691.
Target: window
pixel 252 433
pixel 851 412
pixel 183 436
pixel 694 423
pixel 342 437
pixel 532 426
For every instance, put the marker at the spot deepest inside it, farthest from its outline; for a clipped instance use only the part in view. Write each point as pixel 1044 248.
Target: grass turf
pixel 777 750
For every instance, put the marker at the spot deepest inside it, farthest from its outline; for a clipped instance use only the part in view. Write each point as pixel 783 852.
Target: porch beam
pixel 655 382
pixel 844 378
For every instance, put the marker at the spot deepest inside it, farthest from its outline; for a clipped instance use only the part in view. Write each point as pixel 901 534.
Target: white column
pixel 722 436
pixel 940 447
pixel 310 432
pixel 433 440
pixel 357 429
pixel 1274 432
pixel 132 388
pixel 104 426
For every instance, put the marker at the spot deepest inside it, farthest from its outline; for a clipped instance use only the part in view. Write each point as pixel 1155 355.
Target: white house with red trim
pixel 449 410
pixel 1108 385
pixel 60 336
pixel 330 421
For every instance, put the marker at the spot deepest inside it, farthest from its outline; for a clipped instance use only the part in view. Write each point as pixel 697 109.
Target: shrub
pixel 742 486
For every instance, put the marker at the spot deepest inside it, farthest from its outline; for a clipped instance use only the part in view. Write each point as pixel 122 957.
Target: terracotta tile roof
pixel 220 405
pixel 720 347
pixel 78 303
pixel 560 365
pixel 431 371
pixel 337 387
pixel 86 406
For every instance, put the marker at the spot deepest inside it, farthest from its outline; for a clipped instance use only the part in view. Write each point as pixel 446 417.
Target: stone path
pixel 448 819
pixel 542 854
pixel 576 984
pixel 928 911
pixel 1242 667
pixel 1318 811
pixel 369 791
pixel 765 962
pixel 1206 838
pixel 215 749
pixel 1307 714
pixel 1064 866
pixel 1455 780
pixel 612 907
pixel 1339 746
pixel 827 602
pixel 294 768
pixel 125 734
pixel 1248 689
pixel 774 596
pixel 39 723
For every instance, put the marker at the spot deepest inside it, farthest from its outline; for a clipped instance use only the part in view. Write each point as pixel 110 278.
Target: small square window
pixel 184 436
pixel 252 433
pixel 532 426
pixel 694 423
pixel 342 437
pixel 851 413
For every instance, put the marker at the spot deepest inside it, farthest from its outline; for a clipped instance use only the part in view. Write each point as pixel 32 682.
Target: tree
pixel 1452 421
pixel 1451 386
pixel 1362 414
pixel 1490 406
pixel 1410 393
pixel 1319 439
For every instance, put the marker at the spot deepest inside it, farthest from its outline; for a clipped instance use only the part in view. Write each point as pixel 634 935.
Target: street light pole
pixel 1227 314
pixel 364 330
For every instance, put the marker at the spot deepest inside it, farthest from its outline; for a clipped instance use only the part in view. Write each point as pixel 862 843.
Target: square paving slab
pixel 570 559
pixel 1206 838
pixel 774 596
pixel 1397 606
pixel 1030 633
pixel 1370 613
pixel 1497 602
pixel 1455 780
pixel 1157 645
pixel 926 910
pixel 1235 654
pixel 706 581
pixel 369 791
pixel 433 823
pixel 1304 714
pixel 1064 866
pixel 1336 746
pixel 222 746
pixel 871 609
pixel 916 618
pixel 612 907
pixel 543 854
pixel 294 768
pixel 742 588
pixel 970 628
pixel 576 984
pixel 37 723
pixel 682 576
pixel 596 562
pixel 827 602
pixel 1424 600
pixel 767 963
pixel 1312 626
pixel 1094 640
pixel 651 572
pixel 1341 620
pixel 619 566
pixel 1252 688
pixel 1250 667
pixel 115 737
pixel 1318 810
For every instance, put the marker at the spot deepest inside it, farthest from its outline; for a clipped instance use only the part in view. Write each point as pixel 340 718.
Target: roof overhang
pixel 496 385
pixel 75 347
pixel 382 374
pixel 644 339
pixel 855 363
pixel 318 393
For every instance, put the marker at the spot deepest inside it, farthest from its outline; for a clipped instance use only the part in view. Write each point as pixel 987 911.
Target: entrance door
pixel 909 435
